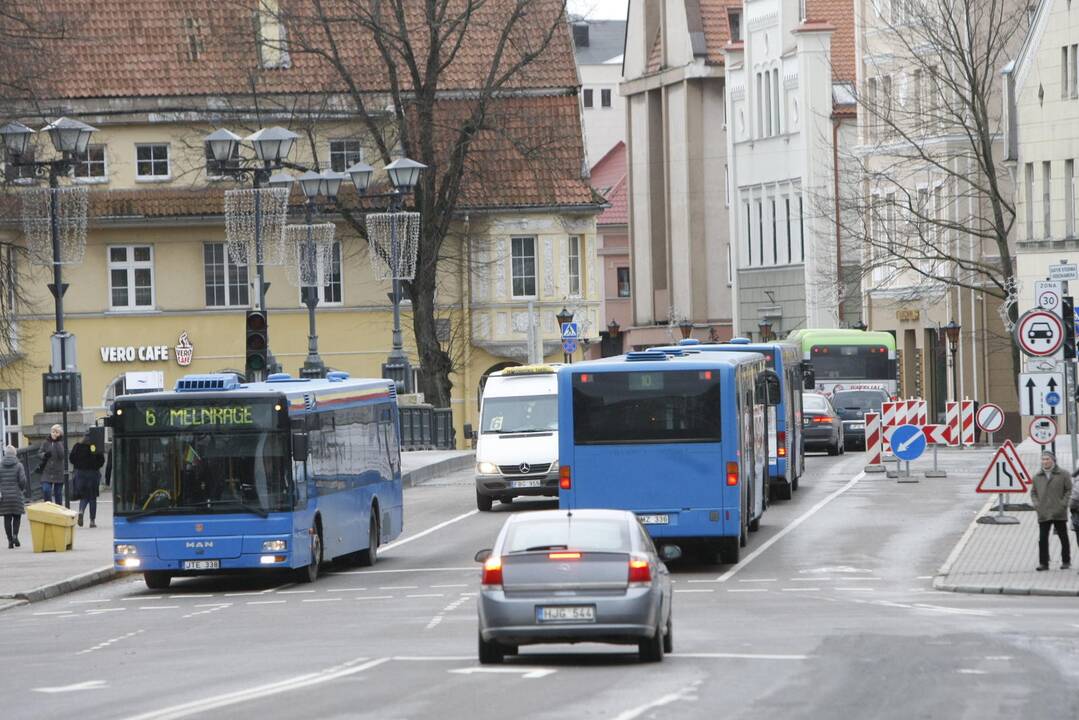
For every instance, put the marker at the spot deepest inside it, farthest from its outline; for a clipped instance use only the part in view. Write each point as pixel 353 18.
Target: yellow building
pixel 157 291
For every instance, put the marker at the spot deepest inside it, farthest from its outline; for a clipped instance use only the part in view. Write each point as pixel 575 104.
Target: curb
pixel 68 585
pixel 429 472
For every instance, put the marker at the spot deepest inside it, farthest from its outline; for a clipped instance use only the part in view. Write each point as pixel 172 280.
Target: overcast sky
pixel 599 9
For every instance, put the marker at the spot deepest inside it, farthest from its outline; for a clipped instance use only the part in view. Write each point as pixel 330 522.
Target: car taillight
pixel 781 444
pixel 822 419
pixel 564 556
pixel 732 473
pixel 492 572
pixel 639 571
pixel 564 480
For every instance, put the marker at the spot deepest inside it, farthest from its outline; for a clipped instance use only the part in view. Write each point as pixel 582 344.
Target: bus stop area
pixel 26 576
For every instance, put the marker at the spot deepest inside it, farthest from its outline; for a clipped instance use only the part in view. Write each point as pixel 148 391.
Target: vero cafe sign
pixel 183 351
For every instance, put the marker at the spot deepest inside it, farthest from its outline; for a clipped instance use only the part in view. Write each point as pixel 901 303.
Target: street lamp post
pixel 951 330
pixel 564 318
pixel 271 147
pixel 69 138
pixel 765 327
pixel 686 328
pixel 614 336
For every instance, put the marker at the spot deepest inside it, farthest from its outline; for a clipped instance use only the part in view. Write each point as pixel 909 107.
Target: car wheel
pixel 309 573
pixel 483 502
pixel 157 580
pixel 369 557
pixel 651 650
pixel 491 653
pixel 668 637
pixel 833 449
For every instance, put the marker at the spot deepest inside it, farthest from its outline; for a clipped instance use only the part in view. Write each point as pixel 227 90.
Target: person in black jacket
pixel 87 460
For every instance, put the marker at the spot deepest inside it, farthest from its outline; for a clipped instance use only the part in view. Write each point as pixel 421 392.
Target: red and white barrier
pixel 951 419
pixel 887 422
pixel 937 434
pixel 966 422
pixel 922 411
pixel 873 443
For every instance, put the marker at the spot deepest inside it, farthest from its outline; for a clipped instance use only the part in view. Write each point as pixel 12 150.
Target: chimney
pixel 580 34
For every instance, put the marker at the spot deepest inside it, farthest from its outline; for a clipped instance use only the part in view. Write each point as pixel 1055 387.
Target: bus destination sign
pixel 168 417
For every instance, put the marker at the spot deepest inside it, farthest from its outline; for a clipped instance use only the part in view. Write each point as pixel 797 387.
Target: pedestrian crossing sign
pixel 1002 476
pixel 570 331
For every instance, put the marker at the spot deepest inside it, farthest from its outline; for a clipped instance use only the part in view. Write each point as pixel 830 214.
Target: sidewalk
pixel 26 576
pixel 1000 559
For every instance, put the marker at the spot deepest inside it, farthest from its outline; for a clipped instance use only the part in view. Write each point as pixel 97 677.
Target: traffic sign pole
pixel 1068 304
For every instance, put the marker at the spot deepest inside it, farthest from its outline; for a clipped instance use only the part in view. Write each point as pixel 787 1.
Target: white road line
pixel 749 580
pixel 799 589
pixel 242 594
pixel 400 587
pixel 689 692
pixel 185 597
pixel 84 602
pixel 108 642
pixel 433 658
pixel 428 531
pixel 738 656
pixel 336 599
pixel 55 612
pixel 204 706
pixel 426 595
pixel 924 577
pixel 98 611
pixel 747 590
pixel 857 589
pixel 790 528
pixel 296 592
pixel 998 657
pixel 863 579
pixel 696 590
pixel 452 585
pixel 266 602
pixel 470 568
pixel 216 604
pixel 159 607
pixel 87 685
pixel 343 590
pixel 375 597
pixel 970 671
pixel 812 579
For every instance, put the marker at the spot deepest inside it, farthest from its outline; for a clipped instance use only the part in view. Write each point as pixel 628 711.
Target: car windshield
pixel 527 413
pixel 857 400
pixel 814 403
pixel 597 535
pixel 221 472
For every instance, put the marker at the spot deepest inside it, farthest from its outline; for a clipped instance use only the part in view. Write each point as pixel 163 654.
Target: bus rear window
pixel 617 408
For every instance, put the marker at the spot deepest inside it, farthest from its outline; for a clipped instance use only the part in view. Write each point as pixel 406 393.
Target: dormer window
pixel 734 22
pixel 271 36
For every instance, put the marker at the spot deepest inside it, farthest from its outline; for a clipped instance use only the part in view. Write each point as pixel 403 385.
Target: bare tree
pixel 448 78
pixel 930 205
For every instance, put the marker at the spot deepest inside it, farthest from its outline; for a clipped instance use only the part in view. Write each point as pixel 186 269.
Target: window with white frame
pixel 622 274
pixel 152 162
pixel 523 266
pixel 90 165
pixel 573 255
pixel 775 235
pixel 131 277
pixel 1047 215
pixel 586 97
pixel 329 285
pixel 9 407
pixel 605 97
pixel 226 281
pixel 787 224
pixel 801 230
pixel 760 230
pixel 1069 198
pixel 1064 72
pixel 1028 195
pixel 344 154
pixel 749 237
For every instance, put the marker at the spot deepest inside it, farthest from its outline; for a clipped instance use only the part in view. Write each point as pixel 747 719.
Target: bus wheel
pixel 369 556
pixel 484 502
pixel 309 573
pixel 157 580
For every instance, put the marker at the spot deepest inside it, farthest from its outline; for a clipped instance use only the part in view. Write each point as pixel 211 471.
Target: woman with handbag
pixel 13 486
pixel 51 466
pixel 87 460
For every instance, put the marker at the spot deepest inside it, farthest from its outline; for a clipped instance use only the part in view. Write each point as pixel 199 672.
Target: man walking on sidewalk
pixel 1050 494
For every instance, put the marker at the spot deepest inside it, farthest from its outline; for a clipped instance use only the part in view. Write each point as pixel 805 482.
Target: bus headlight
pixel 487 468
pixel 274 546
pixel 122 549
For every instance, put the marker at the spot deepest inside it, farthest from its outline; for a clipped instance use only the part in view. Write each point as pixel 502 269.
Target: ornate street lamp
pixel 859 325
pixel 765 327
pixel 686 328
pixel 951 331
pixel 564 317
pixel 613 328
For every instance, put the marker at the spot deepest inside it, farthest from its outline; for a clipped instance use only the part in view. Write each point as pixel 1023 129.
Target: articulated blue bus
pixel 677 438
pixel 220 475
pixel 786 461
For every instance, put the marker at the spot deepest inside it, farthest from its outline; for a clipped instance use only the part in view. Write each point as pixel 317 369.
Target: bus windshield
pixel 851 362
pixel 528 413
pixel 189 472
pixel 646 407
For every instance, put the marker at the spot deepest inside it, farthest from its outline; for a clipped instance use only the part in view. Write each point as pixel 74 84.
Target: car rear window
pixel 816 403
pixel 570 533
pixel 858 400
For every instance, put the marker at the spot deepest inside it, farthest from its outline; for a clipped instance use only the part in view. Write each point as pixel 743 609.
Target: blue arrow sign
pixel 1052 399
pixel 908 442
pixel 569 346
pixel 570 331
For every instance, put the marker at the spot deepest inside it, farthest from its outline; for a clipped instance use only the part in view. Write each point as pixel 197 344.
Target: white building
pixel 599 45
pixel 789 112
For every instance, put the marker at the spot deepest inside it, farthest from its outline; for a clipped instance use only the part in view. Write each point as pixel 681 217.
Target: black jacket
pixel 85 457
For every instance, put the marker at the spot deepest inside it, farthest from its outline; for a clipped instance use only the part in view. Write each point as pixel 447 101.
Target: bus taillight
pixel 564 480
pixel 732 473
pixel 781 443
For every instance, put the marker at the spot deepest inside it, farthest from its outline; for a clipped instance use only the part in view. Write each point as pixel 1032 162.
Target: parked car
pixel 852 405
pixel 821 427
pixel 569 576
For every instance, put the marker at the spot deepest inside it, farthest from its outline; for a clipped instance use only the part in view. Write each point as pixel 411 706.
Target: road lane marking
pixel 353 589
pixel 790 528
pixel 159 607
pixel 400 587
pixel 747 590
pixel 470 568
pixel 204 706
pixel 696 590
pixel 738 656
pixel 295 592
pixel 243 594
pixel 55 612
pixel 433 658
pixel 426 595
pixel 375 597
pixel 266 602
pixel 428 531
pixel 98 611
pixel 451 585
pixel 448 609
pixel 337 599
pixel 688 693
pixel 863 579
pixel 812 579
pixel 749 580
pixel 799 589
pixel 185 597
pixel 84 602
pixel 524 672
pixel 86 685
pixel 857 589
pixel 210 605
pixel 998 657
pixel 108 642
pixel 971 671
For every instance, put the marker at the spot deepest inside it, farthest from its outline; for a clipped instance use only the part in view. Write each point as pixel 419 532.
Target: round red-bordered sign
pixel 1039 333
pixel 1042 430
pixel 990 417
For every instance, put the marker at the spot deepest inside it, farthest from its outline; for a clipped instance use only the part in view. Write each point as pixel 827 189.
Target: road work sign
pixel 1001 476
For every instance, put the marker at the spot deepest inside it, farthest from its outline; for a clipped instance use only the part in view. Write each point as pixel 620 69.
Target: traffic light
pixel 257 344
pixel 1067 308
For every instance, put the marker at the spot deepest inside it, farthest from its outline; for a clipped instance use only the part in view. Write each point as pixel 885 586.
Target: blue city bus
pixel 677 438
pixel 220 475
pixel 786 460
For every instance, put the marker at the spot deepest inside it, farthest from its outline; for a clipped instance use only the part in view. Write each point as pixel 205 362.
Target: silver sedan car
pixel 569 576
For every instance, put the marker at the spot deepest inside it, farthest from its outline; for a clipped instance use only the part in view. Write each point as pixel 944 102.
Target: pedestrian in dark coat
pixel 1051 493
pixel 87 460
pixel 13 486
pixel 51 466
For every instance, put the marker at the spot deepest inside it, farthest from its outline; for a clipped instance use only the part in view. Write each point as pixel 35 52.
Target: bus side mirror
pixel 809 378
pixel 468 431
pixel 299 447
pixel 768 387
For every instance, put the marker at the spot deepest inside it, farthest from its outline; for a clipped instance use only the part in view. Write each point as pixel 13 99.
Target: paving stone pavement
pixel 1002 558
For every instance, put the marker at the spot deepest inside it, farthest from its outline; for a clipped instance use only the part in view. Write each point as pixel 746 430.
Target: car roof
pixel 578 514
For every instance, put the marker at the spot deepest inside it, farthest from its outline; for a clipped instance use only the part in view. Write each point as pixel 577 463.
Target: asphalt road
pixel 831 614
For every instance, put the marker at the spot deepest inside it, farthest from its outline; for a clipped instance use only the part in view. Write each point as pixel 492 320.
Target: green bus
pixel 844 359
